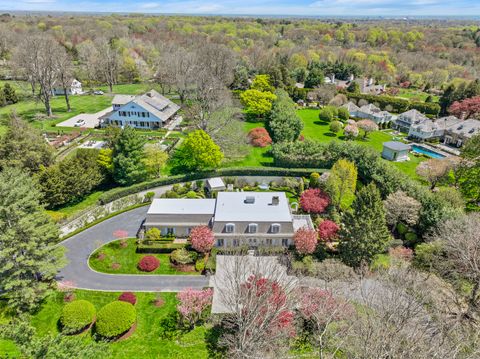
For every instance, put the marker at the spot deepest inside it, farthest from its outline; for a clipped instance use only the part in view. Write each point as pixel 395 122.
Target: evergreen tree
pixel 9 94
pixel 29 259
pixel 447 99
pixel 284 123
pixel 128 154
pixel 23 146
pixel 365 231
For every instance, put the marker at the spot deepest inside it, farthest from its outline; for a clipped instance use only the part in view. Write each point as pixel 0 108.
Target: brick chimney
pixel 275 200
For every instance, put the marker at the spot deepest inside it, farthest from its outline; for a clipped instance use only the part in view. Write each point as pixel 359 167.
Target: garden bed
pixel 124 260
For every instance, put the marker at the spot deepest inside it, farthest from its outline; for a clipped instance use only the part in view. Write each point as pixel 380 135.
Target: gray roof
pixel 231 206
pixel 396 146
pixel 438 124
pixel 412 116
pixel 152 101
pixel 215 183
pixel 467 128
pixel 182 206
pixel 370 109
pixel 351 107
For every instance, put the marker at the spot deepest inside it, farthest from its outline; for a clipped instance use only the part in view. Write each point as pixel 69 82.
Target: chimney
pixel 149 94
pixel 249 200
pixel 275 200
pixel 333 78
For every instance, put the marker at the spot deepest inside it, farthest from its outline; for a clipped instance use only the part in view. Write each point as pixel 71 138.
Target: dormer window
pixel 275 228
pixel 252 228
pixel 229 228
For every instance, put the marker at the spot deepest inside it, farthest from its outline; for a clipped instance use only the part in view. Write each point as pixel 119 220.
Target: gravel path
pixel 80 275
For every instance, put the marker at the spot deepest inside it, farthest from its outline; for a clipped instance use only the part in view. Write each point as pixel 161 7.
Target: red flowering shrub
pixel 327 230
pixel 259 137
pixel 466 108
pixel 148 263
pixel 305 240
pixel 314 201
pixel 128 297
pixel 202 239
pixel 401 253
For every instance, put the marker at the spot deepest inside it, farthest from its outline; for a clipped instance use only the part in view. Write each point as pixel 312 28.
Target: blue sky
pixel 259 7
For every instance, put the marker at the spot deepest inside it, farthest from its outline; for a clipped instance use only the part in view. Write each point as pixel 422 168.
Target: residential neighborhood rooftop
pixel 182 206
pixel 397 146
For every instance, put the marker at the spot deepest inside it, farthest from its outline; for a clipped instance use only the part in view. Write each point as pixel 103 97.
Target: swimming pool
pixel 427 152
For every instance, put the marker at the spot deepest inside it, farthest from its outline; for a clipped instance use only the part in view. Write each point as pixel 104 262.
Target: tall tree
pixel 365 231
pixel 341 184
pixel 155 160
pixel 128 154
pixel 284 123
pixel 470 170
pixel 23 146
pixel 65 74
pixel 29 257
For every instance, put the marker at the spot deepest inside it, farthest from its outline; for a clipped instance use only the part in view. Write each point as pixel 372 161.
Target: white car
pixel 98 92
pixel 79 123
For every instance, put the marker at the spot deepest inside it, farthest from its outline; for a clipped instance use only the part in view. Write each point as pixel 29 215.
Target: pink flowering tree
pixel 202 239
pixel 314 201
pixel 470 107
pixel 193 304
pixel 367 126
pixel 305 240
pixel 350 131
pixel 327 230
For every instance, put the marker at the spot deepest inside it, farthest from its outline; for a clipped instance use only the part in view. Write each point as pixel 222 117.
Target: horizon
pixel 284 8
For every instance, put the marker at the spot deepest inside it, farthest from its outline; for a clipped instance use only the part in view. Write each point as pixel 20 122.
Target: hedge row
pixel 149 248
pixel 120 192
pixel 397 104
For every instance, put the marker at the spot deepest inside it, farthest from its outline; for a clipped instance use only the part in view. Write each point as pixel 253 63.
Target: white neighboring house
pixel 370 112
pixel 430 129
pixel 236 218
pixel 75 88
pixel 148 111
pixel 460 133
pixel 405 120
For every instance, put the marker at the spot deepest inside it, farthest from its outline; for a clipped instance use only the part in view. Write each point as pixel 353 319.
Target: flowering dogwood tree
pixel 193 304
pixel 314 201
pixel 305 240
pixel 327 230
pixel 466 108
pixel 202 239
pixel 351 131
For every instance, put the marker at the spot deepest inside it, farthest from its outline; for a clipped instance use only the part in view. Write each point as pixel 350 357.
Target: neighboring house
pixel 370 112
pixel 459 133
pixel 395 151
pixel 216 184
pixel 236 218
pixel 431 129
pixel 74 88
pixel 405 120
pixel 147 111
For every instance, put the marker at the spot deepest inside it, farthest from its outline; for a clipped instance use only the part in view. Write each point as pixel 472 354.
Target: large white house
pixel 430 129
pixel 74 88
pixel 147 111
pixel 370 112
pixel 237 218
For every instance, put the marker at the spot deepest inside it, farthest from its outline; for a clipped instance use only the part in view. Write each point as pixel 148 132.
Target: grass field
pixel 128 260
pixel 416 95
pixel 146 341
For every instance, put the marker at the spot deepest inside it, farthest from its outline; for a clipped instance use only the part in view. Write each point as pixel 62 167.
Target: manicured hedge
pixel 114 319
pixel 76 316
pixel 120 192
pixel 153 247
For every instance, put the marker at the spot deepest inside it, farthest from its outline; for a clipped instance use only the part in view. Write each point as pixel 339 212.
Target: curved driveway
pixel 80 275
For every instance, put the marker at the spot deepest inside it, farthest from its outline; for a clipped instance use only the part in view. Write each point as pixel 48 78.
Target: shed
pixel 395 151
pixel 215 184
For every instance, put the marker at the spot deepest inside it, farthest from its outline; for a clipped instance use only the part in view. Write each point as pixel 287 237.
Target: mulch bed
pixel 184 267
pixel 116 266
pixel 127 334
pixel 158 302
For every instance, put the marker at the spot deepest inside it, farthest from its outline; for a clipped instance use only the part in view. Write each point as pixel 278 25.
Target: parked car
pixel 79 123
pixel 98 92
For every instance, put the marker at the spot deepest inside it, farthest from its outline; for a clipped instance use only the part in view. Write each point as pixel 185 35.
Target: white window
pixel 275 228
pixel 252 228
pixel 229 228
pixel 252 241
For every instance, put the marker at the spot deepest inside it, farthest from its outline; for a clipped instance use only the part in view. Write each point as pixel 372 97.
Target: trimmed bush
pixel 114 319
pixel 259 137
pixel 148 263
pixel 200 265
pixel 76 316
pixel 182 256
pixel 128 297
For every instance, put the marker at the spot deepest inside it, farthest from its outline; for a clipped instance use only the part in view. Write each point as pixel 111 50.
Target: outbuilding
pixel 395 151
pixel 216 184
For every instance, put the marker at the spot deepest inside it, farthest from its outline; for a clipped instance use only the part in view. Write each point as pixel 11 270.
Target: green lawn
pixel 415 95
pixel 72 209
pixel 319 131
pixel 128 260
pixel 146 341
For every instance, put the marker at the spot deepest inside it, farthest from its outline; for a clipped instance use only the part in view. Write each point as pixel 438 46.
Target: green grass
pixel 72 209
pixel 319 131
pixel 128 260
pixel 415 95
pixel 380 261
pixel 146 341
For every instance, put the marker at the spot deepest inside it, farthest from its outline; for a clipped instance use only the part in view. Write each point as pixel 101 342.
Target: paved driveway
pixel 91 119
pixel 80 246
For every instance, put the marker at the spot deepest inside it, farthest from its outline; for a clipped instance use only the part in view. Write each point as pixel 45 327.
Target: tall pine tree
pixel 365 231
pixel 29 259
pixel 128 154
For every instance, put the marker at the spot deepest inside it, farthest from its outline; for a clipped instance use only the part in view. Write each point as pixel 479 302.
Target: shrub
pixel 128 297
pixel 202 239
pixel 200 265
pixel 343 114
pixel 314 201
pixel 114 319
pixel 182 256
pixel 305 240
pixel 76 316
pixel 401 253
pixel 326 114
pixel 259 137
pixel 335 126
pixel 327 230
pixel 149 196
pixel 153 234
pixel 148 263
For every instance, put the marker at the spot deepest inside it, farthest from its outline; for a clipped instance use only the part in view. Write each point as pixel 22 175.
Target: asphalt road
pixel 80 275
